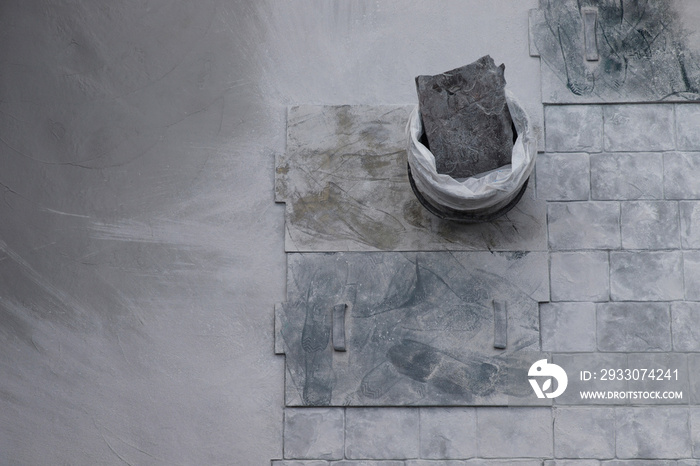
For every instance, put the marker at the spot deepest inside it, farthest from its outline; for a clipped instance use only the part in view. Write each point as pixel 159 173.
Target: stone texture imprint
pixel 620 252
pixel 621 51
pixel 344 180
pixel 420 328
pixel 598 267
pixel 466 119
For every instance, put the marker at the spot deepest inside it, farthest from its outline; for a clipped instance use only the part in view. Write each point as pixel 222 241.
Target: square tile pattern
pixel 617 203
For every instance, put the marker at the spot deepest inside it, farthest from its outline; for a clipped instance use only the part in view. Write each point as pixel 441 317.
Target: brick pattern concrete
pixel 654 432
pixel 639 463
pixel 650 225
pixel 377 433
pixel 571 463
pixel 691 275
pixel 687 124
pixel 672 360
pixel 694 384
pixel 685 317
pixel 598 425
pixel 622 186
pixel 680 175
pixel 646 276
pixel 584 225
pixel 475 462
pixel 448 433
pixel 613 435
pixel 689 212
pixel 563 177
pixel 625 176
pixel 580 276
pixel 638 128
pixel 298 463
pixel 514 432
pixel 313 433
pixel 634 326
pixel 571 395
pixel 367 463
pixel 587 120
pixel 568 327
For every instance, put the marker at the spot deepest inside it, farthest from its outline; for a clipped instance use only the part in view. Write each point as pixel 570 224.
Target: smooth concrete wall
pixel 141 251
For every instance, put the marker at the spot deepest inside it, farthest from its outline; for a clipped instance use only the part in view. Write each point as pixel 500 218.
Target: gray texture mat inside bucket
pixel 482 197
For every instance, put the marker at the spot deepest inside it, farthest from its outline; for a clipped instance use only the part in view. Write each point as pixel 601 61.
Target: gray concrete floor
pixel 141 251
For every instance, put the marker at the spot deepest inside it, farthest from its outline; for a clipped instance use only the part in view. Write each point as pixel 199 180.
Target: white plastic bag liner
pixel 481 192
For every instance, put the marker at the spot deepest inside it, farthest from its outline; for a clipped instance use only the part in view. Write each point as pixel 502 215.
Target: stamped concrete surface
pixel 623 268
pixel 595 51
pixel 345 183
pixel 420 327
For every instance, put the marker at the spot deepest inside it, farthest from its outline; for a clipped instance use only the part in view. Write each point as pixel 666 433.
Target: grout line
pixel 602 133
pixel 546 221
pixel 544 126
pixel 675 129
pixel 590 178
pixel 687 372
pixel 615 430
pixel 680 234
pixel 685 292
pixel 663 175
pixel 549 276
pixel 690 433
pixel 533 179
pixel 619 227
pixel 609 276
pixel 476 431
pixel 670 324
pixel 284 424
pixel 420 432
pixel 553 414
pixel 596 306
pixel 539 317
